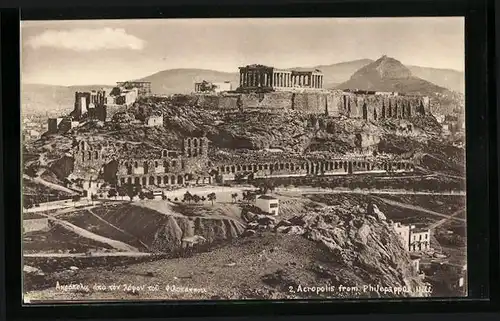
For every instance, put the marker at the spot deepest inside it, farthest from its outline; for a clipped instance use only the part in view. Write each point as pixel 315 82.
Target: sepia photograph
pixel 243 159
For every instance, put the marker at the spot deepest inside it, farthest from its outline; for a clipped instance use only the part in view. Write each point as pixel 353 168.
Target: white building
pixel 154 121
pixel 267 204
pixel 404 234
pixel 413 239
pixel 440 118
pixel 416 262
pixel 420 239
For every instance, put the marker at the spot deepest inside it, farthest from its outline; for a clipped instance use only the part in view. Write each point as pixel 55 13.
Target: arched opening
pixel 195 142
pixel 375 116
pixel 156 164
pixel 129 180
pixel 89 155
pixel 389 110
pixel 238 168
pixel 165 166
pixel 165 153
pixel 244 167
pixel 158 180
pixel 232 169
pixel 129 169
pixel 146 167
pixel 151 180
pixel 96 155
pixel 83 156
pixel 180 180
pixel 349 170
pixel 144 182
pixel 136 164
pixel 189 142
pixel 172 180
pixel 383 109
pixel 82 145
pixel 282 166
pixel 165 180
pixel 365 112
pixel 260 167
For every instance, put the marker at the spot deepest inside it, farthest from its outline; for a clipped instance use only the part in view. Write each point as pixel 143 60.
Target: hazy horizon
pixel 86 52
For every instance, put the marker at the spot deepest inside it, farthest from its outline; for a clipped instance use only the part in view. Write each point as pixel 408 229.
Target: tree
pixel 212 197
pixel 176 199
pixel 196 198
pixel 163 197
pixel 234 196
pixel 112 193
pixel 203 198
pixel 188 197
pixel 132 191
pixel 142 196
pixel 76 198
pixel 93 197
pixel 28 203
pixel 122 191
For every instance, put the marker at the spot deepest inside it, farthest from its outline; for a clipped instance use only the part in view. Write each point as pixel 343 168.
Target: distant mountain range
pixel 37 98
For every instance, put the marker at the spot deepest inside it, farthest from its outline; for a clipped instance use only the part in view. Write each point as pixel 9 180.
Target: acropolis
pixel 259 76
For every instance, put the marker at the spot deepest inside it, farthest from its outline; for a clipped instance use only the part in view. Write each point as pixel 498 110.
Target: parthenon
pixel 260 76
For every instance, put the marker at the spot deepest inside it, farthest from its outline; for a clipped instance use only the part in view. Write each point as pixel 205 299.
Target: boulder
pixel 266 220
pixel 372 209
pixel 282 229
pixel 295 230
pixel 30 269
pixel 248 232
pixel 362 234
pixel 284 223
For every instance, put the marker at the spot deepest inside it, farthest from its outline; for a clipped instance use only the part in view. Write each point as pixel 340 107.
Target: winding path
pixel 89 235
pixel 117 228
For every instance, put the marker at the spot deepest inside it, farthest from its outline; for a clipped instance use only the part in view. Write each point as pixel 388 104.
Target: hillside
pixel 334 245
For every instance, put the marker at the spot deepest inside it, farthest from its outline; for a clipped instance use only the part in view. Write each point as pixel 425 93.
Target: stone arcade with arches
pixel 336 166
pixel 170 167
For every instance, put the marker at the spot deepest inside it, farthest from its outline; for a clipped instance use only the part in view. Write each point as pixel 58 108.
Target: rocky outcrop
pixel 169 237
pixel 363 246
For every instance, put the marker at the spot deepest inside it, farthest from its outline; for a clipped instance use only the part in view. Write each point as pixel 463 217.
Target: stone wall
pixel 333 103
pixel 376 107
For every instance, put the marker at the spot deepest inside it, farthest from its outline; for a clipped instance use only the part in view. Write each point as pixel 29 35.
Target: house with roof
pixel 267 204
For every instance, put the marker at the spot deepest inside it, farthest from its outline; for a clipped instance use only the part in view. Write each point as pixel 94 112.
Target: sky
pixel 82 52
